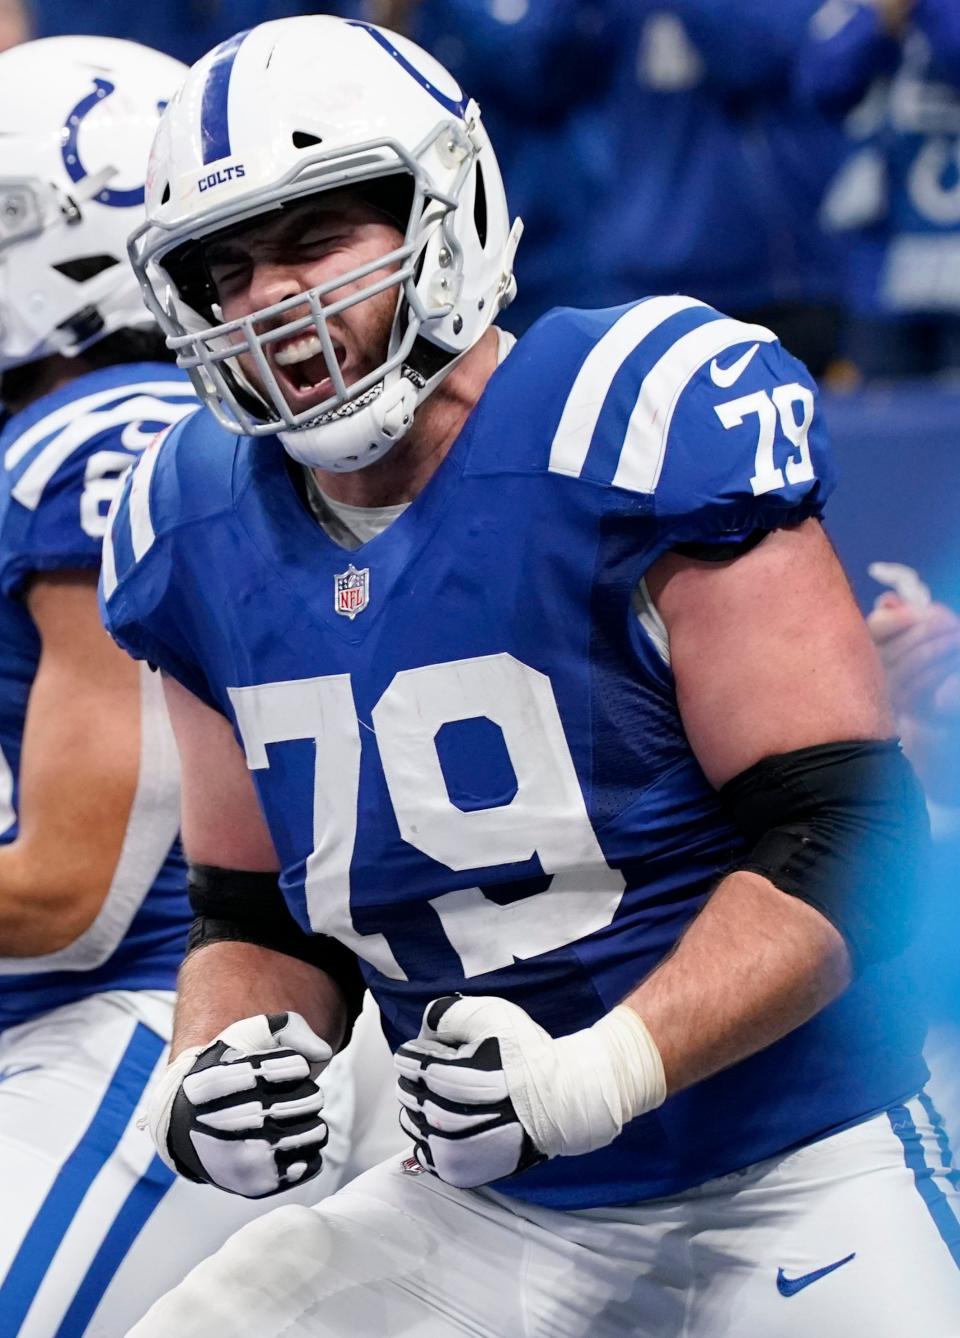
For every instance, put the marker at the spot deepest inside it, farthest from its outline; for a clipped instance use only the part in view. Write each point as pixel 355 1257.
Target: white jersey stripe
pixel 28 489
pixel 585 402
pixel 108 558
pixel 644 444
pixel 141 523
pixel 108 561
pixel 173 389
pixel 151 829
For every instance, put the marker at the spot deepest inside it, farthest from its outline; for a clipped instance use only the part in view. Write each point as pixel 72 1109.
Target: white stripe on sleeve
pixel 588 394
pixel 644 444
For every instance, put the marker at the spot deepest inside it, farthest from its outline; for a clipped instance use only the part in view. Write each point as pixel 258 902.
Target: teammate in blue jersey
pixel 523 683
pixel 93 905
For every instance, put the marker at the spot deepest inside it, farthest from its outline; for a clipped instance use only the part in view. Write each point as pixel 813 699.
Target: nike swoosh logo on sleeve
pixel 725 377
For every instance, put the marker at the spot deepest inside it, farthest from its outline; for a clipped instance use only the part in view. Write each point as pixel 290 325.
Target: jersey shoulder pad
pixel 525 403
pixel 63 460
pixel 707 420
pixel 185 477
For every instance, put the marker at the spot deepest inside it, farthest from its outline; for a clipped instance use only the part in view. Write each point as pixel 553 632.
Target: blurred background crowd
pixel 793 162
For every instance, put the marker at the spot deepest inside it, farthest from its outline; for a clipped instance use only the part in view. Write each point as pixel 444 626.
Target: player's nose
pixel 273 281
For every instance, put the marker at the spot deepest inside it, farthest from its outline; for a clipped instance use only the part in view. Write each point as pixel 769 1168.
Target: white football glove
pixel 486 1092
pixel 243 1113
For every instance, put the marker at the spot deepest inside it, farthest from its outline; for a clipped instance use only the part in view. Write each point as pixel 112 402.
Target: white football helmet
pixel 77 116
pixel 289 109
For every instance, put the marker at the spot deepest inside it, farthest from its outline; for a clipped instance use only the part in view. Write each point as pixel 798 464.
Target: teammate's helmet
pixel 282 112
pixel 77 115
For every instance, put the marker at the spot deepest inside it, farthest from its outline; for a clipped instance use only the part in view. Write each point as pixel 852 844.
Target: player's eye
pixel 317 243
pixel 229 274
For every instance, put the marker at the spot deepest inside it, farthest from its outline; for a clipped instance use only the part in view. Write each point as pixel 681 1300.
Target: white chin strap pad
pixel 358 439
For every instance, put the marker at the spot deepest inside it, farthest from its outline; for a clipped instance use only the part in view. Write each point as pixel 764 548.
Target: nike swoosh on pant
pixel 790 1286
pixel 725 377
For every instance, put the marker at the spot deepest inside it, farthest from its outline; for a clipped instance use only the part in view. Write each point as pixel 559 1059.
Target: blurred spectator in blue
pixel 540 70
pixel 718 175
pixel 541 73
pixel 892 69
pixel 659 151
pixel 183 28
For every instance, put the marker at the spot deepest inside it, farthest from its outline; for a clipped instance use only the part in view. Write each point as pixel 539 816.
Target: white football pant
pixel 93 1227
pixel 855 1236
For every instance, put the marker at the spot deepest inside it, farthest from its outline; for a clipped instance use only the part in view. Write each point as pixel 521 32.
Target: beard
pixel 360 336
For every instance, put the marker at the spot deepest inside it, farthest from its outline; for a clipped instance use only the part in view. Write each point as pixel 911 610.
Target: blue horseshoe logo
pixel 117 199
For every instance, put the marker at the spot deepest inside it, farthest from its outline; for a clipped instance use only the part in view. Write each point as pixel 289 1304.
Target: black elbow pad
pixel 842 826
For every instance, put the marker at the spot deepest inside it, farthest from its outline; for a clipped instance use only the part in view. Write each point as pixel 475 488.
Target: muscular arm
pixel 769 654
pixel 222 825
pixel 78 773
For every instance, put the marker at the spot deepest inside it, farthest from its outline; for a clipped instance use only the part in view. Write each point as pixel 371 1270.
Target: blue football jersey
pixel 464 734
pixel 63 460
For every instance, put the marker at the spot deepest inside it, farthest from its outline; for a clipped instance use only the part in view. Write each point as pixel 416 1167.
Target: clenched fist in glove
pixel 486 1092
pixel 244 1112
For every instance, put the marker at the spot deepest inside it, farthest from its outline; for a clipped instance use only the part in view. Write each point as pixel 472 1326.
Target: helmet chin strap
pixel 357 439
pixel 361 432
pixel 354 440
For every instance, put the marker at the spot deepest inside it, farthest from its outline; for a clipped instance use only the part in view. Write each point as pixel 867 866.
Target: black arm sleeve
pixel 233 906
pixel 842 826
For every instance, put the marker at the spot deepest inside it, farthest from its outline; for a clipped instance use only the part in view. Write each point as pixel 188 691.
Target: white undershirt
pixel 350 526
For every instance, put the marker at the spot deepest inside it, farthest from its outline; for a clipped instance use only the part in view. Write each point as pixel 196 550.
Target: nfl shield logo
pixel 351 591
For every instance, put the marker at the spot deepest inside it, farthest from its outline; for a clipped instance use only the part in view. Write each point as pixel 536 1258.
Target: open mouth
pixel 301 369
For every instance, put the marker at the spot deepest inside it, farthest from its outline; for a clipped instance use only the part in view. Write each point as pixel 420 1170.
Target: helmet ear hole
pixel 480 208
pixel 302 139
pixel 85 267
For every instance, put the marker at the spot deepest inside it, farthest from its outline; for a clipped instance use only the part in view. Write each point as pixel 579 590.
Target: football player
pixel 93 907
pixel 522 684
